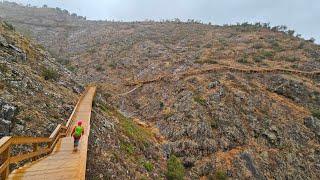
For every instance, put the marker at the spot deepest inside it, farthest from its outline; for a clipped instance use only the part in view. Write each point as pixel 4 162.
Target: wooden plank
pixel 29 140
pixel 56 140
pixel 22 157
pixel 5 143
pixel 69 122
pixel 4 166
pixel 83 166
pixel 63 155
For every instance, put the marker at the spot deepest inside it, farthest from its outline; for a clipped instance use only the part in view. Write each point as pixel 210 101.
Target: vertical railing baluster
pixel 6 157
pixel 35 149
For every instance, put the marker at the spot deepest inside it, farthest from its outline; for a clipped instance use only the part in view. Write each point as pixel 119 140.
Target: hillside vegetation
pixel 214 102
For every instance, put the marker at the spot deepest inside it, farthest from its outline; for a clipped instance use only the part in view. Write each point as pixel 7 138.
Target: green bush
pixel 129 148
pixel 148 166
pixel 161 105
pixel 220 175
pixel 112 65
pixel 243 59
pixel 267 54
pixel 290 32
pixel 258 58
pixel 200 100
pixel 71 68
pixel 3 68
pixel 175 169
pixel 291 58
pixel 99 68
pixel 315 113
pixel 263 55
pixel 9 26
pixel 257 46
pixel 50 74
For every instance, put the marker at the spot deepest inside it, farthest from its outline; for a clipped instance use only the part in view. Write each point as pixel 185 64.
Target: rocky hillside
pixel 239 101
pixel 37 93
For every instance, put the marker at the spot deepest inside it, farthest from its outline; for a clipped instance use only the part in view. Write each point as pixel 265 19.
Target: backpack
pixel 78 131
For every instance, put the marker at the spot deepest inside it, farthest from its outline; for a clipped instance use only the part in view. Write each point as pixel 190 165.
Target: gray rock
pixel 251 166
pixel 313 123
pixel 213 84
pixel 78 89
pixel 5 127
pixel 3 41
pixel 7 116
pixel 7 111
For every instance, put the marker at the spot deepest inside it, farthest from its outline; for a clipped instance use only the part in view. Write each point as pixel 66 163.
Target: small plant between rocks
pixel 175 169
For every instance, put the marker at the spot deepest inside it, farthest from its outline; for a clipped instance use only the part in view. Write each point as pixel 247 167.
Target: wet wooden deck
pixel 63 163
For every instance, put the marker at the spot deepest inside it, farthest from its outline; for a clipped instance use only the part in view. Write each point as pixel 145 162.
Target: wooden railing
pixel 7 142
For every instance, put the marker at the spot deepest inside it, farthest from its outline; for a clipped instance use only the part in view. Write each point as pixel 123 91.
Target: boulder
pixel 3 41
pixel 313 124
pixel 7 116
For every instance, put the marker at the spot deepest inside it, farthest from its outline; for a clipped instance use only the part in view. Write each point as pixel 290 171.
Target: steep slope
pixel 229 100
pixel 36 92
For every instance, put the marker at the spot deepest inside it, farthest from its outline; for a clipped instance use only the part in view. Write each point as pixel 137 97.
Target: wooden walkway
pixel 63 163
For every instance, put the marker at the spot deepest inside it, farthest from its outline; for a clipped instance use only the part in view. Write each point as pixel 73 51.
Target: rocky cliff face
pixel 36 92
pixel 236 101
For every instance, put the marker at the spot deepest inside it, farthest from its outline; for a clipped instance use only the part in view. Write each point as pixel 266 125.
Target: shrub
pixel 312 40
pixel 209 45
pixel 258 58
pixel 3 68
pixel 129 148
pixel 112 65
pixel 148 166
pixel 214 123
pixel 71 68
pixel 291 58
pixel 243 59
pixel 50 74
pixel 257 46
pixel 290 32
pixel 175 169
pixel 9 26
pixel 223 41
pixel 220 175
pixel 161 105
pixel 315 113
pixel 275 45
pixel 267 54
pixel 99 68
pixel 200 100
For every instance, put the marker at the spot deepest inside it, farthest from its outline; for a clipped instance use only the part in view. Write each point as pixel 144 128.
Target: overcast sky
pixel 301 15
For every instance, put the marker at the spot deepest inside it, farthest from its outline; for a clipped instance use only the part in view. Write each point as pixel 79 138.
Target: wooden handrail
pixel 7 142
pixel 29 140
pixel 4 143
pixel 70 120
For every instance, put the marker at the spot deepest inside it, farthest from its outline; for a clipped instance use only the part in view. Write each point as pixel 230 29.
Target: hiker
pixel 77 132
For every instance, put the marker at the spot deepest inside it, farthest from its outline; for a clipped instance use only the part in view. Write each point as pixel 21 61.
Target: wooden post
pixel 5 156
pixel 35 149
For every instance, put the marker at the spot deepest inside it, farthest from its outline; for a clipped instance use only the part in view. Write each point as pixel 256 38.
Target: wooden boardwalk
pixel 63 163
